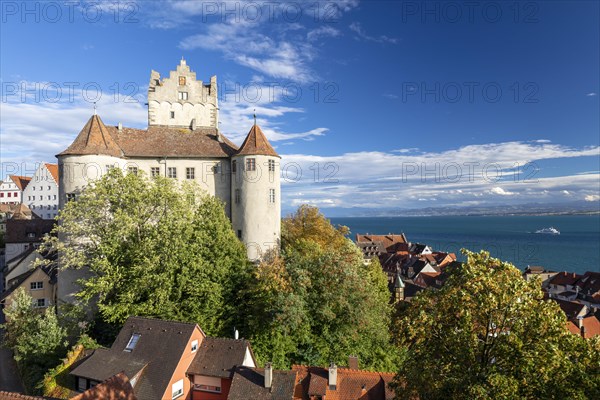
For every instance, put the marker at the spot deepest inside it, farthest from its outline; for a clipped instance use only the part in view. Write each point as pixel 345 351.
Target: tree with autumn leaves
pixel 490 334
pixel 317 301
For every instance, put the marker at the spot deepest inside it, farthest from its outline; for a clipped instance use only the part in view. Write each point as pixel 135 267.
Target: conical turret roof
pixel 94 138
pixel 256 143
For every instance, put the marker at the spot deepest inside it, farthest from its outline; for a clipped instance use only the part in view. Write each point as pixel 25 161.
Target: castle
pixel 183 142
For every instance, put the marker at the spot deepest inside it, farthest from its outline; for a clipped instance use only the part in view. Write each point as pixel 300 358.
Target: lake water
pixel 509 238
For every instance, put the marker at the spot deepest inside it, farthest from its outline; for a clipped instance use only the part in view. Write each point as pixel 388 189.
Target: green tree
pixel 37 340
pixel 154 248
pixel 318 302
pixel 489 334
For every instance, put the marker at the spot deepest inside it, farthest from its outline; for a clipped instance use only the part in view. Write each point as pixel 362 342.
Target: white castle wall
pixel 255 216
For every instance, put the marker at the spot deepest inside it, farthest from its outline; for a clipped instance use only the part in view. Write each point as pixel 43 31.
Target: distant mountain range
pixel 571 208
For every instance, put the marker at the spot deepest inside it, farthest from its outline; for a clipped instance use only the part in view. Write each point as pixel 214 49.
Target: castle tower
pixel 256 194
pixel 182 101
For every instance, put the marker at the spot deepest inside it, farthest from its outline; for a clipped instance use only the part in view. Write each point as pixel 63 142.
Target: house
pixel 563 282
pixel 11 189
pixel 116 387
pixel 41 194
pixel 14 211
pixel 589 287
pixel 572 310
pixel 39 283
pixel 333 383
pixel 21 234
pixel 376 245
pixel 153 354
pixel 259 384
pixel 587 327
pixel 534 271
pixel 419 249
pixel 211 371
pixel 310 383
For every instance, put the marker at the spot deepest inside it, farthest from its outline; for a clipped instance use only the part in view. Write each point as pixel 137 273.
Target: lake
pixel 510 238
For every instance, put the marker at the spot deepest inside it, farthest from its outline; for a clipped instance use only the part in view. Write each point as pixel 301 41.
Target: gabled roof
pixel 565 278
pixel 391 242
pixel 350 384
pixel 249 383
pixel 94 138
pixel 158 351
pixel 18 230
pixel 256 143
pixel 570 308
pixel 116 387
pixel 20 181
pixel 16 282
pixel 219 357
pixel 155 141
pixel 590 283
pixel 53 170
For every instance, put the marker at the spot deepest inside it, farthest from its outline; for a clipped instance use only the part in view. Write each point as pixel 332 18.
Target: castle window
pixel 251 164
pixel 70 196
pixel 36 285
pixel 271 165
pixel 172 172
pixel 182 81
pixel 190 173
pixel 271 195
pixel 172 114
pixel 109 167
pixel 155 171
pixel 239 234
pixel 183 96
pixel 234 166
pixel 133 170
pixel 238 196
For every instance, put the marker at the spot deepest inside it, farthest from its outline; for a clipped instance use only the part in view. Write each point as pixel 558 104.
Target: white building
pixel 183 142
pixel 11 189
pixel 41 195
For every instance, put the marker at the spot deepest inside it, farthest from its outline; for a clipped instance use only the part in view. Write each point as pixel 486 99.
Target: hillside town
pixel 287 275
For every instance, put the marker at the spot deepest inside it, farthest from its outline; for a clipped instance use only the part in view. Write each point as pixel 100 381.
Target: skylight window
pixel 132 342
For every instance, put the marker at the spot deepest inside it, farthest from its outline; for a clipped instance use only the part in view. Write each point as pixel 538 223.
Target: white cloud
pixel 498 190
pixel 592 197
pixel 362 34
pixel 324 31
pixel 592 94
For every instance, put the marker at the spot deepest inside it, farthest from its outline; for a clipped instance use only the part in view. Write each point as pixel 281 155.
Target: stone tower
pixel 182 101
pixel 256 194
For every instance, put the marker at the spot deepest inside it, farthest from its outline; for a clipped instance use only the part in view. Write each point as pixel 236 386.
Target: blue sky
pixel 397 104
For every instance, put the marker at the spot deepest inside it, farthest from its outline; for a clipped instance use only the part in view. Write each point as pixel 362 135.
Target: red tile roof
pixel 155 141
pixel 591 327
pixel 392 243
pixel 18 396
pixel 565 278
pixel 351 384
pixel 256 143
pixel 20 181
pixel 116 387
pixel 94 138
pixel 53 169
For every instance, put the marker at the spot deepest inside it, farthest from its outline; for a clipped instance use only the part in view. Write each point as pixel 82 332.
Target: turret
pixel 256 194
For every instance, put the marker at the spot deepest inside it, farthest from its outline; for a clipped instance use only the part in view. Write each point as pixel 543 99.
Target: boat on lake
pixel 549 231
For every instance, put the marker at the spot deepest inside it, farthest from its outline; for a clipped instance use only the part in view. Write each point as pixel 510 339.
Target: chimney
pixel 268 375
pixel 120 127
pixel 332 376
pixel 353 362
pixel 580 322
